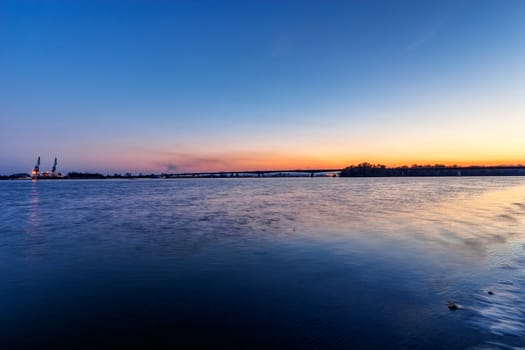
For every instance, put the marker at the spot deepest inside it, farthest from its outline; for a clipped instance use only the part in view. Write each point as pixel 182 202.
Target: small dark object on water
pixel 490 292
pixel 452 306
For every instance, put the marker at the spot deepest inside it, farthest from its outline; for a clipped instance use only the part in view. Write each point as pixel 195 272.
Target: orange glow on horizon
pixel 157 165
pixel 305 163
pixel 166 161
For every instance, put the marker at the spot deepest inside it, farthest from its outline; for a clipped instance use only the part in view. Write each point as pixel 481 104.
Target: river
pixel 310 263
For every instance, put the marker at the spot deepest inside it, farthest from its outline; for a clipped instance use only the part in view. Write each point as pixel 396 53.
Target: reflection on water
pixel 268 263
pixel 34 210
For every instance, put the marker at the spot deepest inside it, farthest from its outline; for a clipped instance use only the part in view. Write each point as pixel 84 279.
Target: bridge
pixel 256 173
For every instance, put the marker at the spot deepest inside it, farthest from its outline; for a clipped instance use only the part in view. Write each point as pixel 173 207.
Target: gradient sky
pixel 153 86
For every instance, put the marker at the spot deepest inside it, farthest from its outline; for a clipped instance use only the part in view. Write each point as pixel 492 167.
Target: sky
pixel 176 86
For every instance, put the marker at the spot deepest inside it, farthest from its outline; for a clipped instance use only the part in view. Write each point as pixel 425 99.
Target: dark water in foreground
pixel 263 263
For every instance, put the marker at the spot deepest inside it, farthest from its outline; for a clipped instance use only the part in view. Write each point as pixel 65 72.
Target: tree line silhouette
pixel 366 169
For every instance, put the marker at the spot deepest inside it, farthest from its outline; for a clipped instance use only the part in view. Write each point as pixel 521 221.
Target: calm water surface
pixel 263 263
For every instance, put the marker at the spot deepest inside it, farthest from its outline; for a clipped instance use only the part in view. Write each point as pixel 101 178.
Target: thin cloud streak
pixel 436 27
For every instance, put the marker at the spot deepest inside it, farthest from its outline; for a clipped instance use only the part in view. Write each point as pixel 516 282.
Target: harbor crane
pixel 36 169
pixel 36 174
pixel 54 169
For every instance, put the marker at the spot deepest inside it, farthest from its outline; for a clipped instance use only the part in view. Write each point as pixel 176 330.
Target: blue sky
pixel 216 85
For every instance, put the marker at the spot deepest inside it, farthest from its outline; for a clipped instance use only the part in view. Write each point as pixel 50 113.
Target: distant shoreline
pixel 360 170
